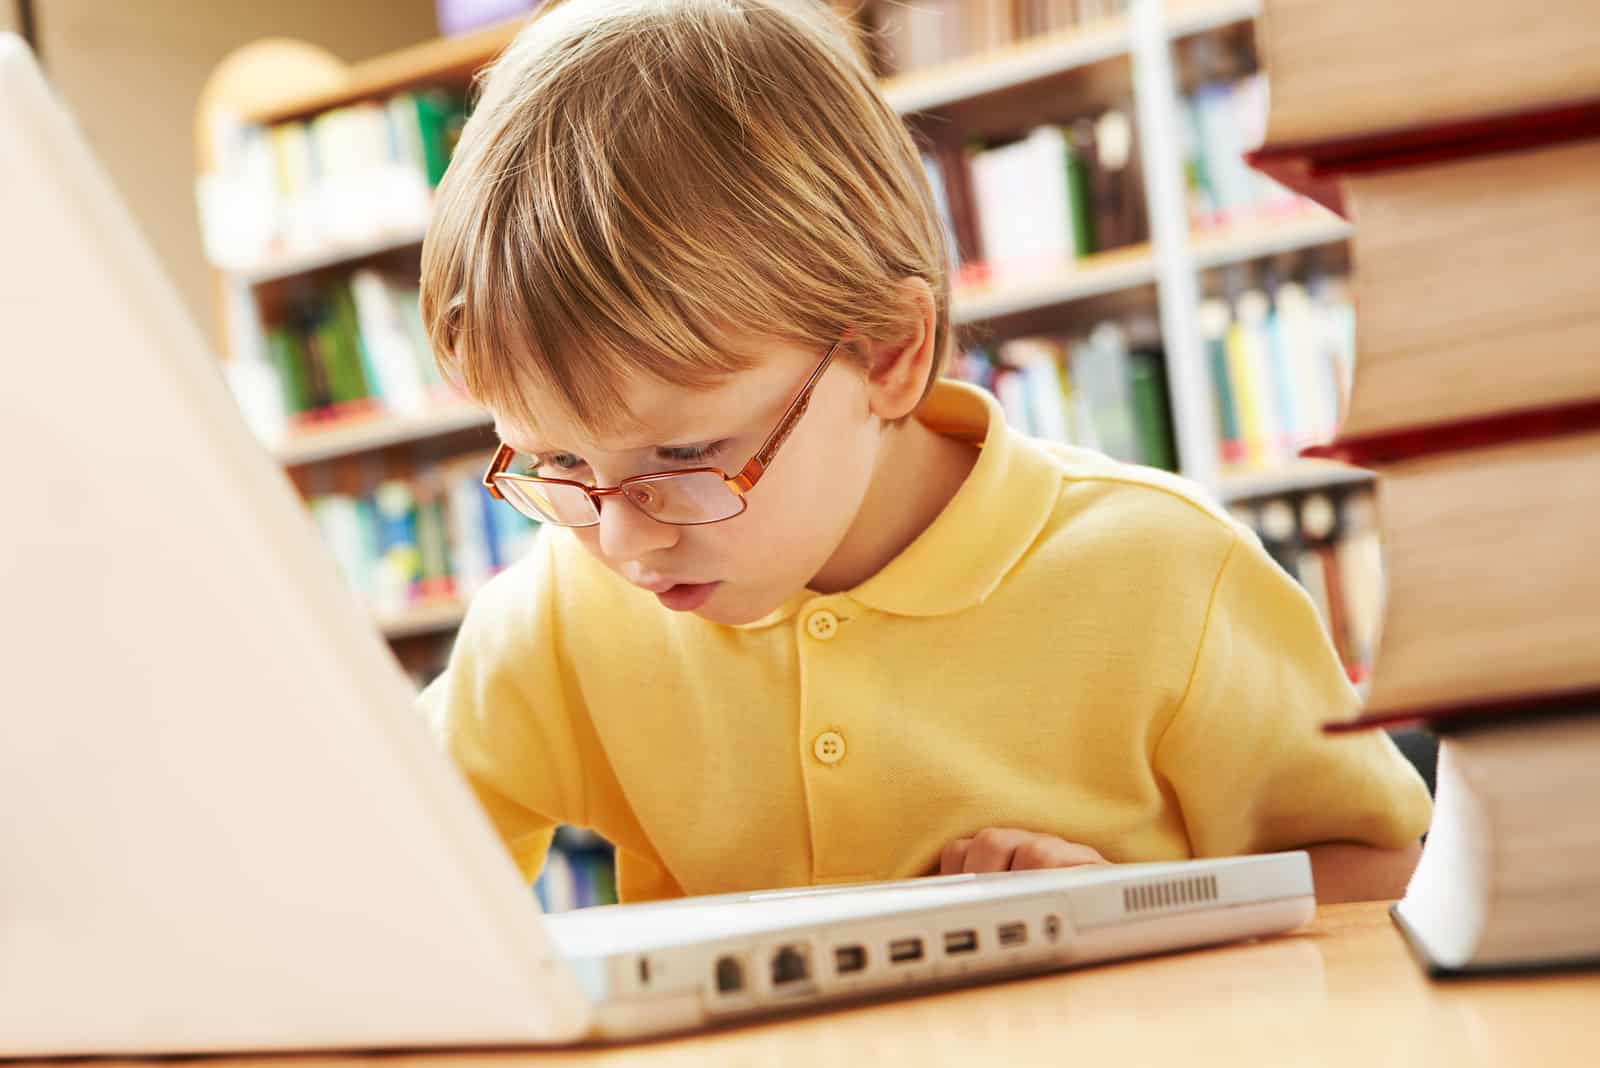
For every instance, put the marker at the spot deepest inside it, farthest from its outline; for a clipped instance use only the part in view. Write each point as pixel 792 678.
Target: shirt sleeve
pixel 500 712
pixel 1245 753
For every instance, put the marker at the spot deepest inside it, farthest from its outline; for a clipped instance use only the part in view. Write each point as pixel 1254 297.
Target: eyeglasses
pixel 689 497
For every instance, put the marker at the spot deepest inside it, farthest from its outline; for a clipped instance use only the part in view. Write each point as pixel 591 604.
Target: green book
pixel 339 347
pixel 1151 416
pixel 1080 209
pixel 342 310
pixel 286 352
pixel 440 117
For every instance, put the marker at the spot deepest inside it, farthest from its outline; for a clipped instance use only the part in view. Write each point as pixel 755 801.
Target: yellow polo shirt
pixel 1074 646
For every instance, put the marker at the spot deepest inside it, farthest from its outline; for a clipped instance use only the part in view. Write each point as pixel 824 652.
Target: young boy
pixel 866 631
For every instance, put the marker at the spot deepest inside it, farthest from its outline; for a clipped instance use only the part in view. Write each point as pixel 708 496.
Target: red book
pixel 1314 168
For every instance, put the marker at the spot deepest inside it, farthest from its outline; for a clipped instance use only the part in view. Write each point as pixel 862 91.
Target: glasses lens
pixel 566 506
pixel 685 500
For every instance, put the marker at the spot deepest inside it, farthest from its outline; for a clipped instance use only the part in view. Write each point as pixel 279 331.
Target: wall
pixel 132 71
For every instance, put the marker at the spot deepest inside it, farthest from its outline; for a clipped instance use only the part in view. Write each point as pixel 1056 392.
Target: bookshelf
pixel 250 89
pixel 347 437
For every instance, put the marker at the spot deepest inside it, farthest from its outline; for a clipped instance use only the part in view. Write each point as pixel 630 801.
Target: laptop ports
pixel 729 975
pixel 848 959
pixel 905 950
pixel 1012 934
pixel 791 964
pixel 957 942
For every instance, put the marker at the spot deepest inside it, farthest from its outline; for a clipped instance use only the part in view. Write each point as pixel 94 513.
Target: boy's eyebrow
pixel 668 443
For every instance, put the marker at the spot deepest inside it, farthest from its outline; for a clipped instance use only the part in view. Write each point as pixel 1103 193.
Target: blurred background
pixel 1123 280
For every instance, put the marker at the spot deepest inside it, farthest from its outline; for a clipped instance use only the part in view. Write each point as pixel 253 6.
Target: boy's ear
pixel 898 369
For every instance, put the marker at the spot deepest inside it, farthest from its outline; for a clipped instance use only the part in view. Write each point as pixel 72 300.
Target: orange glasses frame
pixel 740 484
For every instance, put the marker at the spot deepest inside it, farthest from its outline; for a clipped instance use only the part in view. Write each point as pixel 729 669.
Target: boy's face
pixel 798 514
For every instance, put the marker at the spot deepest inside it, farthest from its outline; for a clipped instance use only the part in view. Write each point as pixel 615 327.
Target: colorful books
pixel 579 872
pixel 1279 363
pixel 1101 391
pixel 429 536
pixel 346 175
pixel 350 347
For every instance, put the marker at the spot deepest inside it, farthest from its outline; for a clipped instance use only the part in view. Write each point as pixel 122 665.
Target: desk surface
pixel 1342 991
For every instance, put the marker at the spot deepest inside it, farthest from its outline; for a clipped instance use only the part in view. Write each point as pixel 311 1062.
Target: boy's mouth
pixel 686 596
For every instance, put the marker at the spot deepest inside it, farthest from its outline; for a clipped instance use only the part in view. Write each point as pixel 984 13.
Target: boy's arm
pixel 1245 756
pixel 1346 871
pixel 499 711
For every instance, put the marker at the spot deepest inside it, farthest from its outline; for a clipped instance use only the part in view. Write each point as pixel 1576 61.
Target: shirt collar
pixel 988 525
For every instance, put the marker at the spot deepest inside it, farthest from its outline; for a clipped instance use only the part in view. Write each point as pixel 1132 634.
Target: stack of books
pixel 1471 170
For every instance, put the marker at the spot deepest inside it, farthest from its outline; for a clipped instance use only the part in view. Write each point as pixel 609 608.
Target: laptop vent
pixel 1170 894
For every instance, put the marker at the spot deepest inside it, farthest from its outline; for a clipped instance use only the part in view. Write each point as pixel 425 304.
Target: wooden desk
pixel 1343 991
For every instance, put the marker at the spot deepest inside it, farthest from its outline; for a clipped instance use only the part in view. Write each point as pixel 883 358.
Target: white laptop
pixel 225 825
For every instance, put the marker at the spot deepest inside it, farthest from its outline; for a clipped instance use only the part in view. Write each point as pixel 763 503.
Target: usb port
pixel 960 942
pixel 847 959
pixel 902 950
pixel 1013 934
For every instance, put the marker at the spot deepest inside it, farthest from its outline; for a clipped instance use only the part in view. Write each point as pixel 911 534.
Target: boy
pixel 862 630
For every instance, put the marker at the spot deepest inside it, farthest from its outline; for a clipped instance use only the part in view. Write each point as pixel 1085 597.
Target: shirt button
pixel 829 747
pixel 822 625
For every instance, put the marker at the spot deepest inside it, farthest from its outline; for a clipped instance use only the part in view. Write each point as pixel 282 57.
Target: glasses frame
pixel 741 483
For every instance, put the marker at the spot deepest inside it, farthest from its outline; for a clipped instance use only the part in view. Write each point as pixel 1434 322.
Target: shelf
pixel 346 437
pixel 1007 67
pixel 427 617
pixel 281 267
pixel 1035 58
pixel 1185 17
pixel 1092 276
pixel 1299 476
pixel 1241 242
pixel 454 59
pixel 437 62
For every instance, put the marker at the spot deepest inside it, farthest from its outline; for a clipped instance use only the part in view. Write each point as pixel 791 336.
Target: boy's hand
pixel 1004 849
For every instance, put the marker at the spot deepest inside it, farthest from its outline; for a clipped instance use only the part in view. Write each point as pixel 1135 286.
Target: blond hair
pixel 642 179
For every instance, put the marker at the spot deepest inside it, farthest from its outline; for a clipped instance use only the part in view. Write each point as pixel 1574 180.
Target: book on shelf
pixel 929 33
pixel 1280 361
pixel 1327 540
pixel 434 535
pixel 1105 391
pixel 1081 183
pixel 1476 403
pixel 348 347
pixel 579 872
pixel 340 177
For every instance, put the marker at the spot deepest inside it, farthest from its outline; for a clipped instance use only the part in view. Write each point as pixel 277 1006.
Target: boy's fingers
pixel 992 849
pixel 1045 852
pixel 953 856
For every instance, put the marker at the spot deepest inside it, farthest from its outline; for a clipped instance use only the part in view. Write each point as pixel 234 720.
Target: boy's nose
pixel 626 533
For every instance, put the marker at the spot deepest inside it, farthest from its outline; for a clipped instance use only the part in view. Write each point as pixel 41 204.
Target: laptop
pixel 227 828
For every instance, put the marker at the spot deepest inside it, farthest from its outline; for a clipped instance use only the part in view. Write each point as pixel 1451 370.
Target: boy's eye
pixel 558 463
pixel 687 454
